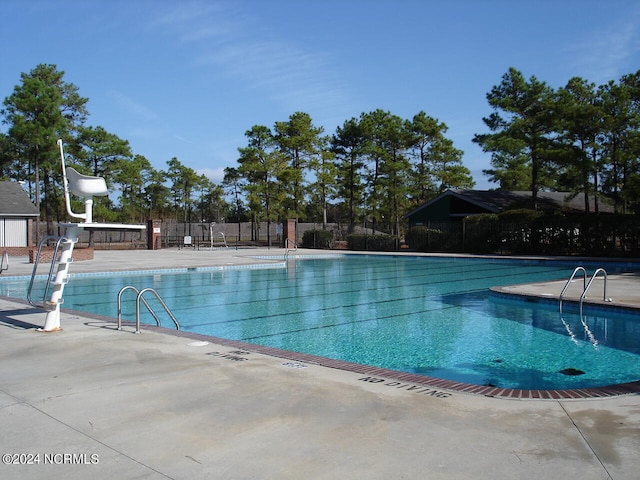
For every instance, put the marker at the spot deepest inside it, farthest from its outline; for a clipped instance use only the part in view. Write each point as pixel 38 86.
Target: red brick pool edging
pixel 432 382
pixel 487 391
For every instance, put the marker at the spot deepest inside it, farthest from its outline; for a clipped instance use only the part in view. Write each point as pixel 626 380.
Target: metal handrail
pixel 604 294
pixel 4 264
pixel 224 239
pixel 584 283
pixel 139 298
pixel 36 262
pixel 164 305
pixel 131 287
pixel 288 249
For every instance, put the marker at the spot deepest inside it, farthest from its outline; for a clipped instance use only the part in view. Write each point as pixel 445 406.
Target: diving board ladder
pixel 585 285
pixel 57 277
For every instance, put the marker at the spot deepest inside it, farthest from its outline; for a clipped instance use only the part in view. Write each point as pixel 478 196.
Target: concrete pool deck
pixel 94 402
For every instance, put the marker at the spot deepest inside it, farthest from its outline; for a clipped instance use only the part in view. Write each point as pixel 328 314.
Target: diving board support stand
pixel 87 187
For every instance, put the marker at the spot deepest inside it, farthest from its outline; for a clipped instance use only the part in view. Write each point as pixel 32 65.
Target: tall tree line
pixel 373 169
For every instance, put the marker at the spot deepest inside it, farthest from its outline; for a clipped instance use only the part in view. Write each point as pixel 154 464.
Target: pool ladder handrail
pixel 4 264
pixel 212 238
pixel 289 249
pixel 585 285
pixel 566 286
pixel 586 289
pixel 54 260
pixel 224 239
pixel 140 298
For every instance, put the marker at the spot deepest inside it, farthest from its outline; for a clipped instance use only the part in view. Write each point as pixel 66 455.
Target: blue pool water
pixel 427 315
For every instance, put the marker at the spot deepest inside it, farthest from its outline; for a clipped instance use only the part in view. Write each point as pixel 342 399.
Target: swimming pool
pixel 431 316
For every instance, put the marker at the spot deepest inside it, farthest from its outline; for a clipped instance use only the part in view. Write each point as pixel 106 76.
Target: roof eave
pixel 21 215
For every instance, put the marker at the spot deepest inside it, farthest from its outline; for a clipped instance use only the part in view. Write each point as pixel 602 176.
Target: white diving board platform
pixel 95 226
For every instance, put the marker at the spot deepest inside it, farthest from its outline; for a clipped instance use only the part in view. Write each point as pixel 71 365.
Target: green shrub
pixel 317 239
pixel 520 216
pixel 421 238
pixel 482 219
pixel 482 233
pixel 378 242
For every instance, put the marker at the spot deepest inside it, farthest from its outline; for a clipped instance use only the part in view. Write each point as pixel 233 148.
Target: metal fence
pixel 201 235
pixel 607 236
pixel 589 235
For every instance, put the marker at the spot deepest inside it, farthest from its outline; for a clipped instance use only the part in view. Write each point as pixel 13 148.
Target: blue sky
pixel 186 79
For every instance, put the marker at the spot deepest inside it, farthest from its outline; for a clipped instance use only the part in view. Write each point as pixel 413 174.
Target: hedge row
pixel 324 239
pixel 378 242
pixel 317 239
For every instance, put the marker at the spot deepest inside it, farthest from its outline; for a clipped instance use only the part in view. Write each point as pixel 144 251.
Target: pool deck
pixel 94 402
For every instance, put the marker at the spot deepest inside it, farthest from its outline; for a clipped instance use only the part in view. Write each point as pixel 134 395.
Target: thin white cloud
pixel 611 51
pixel 193 22
pixel 245 50
pixel 132 107
pixel 182 139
